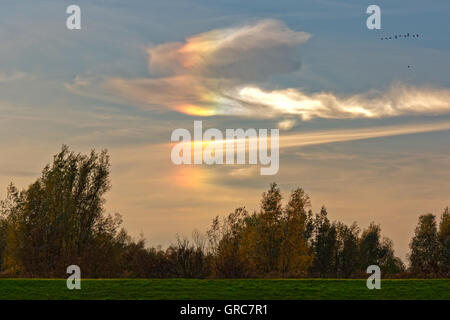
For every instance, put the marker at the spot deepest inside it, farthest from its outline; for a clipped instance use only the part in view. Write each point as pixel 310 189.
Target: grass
pixel 180 289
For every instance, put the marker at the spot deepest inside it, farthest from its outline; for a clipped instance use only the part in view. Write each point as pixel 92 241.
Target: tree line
pixel 60 220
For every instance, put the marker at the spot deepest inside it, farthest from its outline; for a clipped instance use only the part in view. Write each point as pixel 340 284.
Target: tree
pixel 232 245
pixel 444 239
pixel 347 249
pixel 294 257
pixel 269 242
pixel 3 237
pixel 59 220
pixel 267 231
pixel 375 250
pixel 369 247
pixel 324 245
pixel 424 255
pixel 187 260
pixel 388 262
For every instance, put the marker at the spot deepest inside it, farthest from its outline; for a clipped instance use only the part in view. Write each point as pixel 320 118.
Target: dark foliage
pixel 59 220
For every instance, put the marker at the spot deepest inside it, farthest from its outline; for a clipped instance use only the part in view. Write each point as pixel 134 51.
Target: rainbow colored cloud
pixel 225 72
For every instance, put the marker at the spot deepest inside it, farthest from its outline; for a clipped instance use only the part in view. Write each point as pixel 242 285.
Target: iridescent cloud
pixel 221 72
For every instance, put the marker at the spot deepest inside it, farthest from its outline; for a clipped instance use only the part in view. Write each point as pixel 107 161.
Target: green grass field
pixel 223 289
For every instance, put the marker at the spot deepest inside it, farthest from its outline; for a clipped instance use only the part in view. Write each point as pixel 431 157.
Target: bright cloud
pixel 221 72
pixel 332 136
pixel 246 53
pixel 399 100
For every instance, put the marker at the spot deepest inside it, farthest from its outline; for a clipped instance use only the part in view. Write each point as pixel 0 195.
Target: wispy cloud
pixel 331 136
pixel 225 72
pixel 199 76
pixel 287 124
pixel 323 137
pixel 398 100
pixel 245 53
pixel 15 76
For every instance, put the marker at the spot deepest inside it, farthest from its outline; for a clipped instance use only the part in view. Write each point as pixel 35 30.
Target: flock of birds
pixel 397 36
pixel 400 36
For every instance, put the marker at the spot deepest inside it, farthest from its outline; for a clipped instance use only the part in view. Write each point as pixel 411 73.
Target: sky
pixel 364 123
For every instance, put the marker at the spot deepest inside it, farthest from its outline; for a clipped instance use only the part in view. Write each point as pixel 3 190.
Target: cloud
pixel 15 76
pixel 249 52
pixel 226 72
pixel 199 76
pixel 332 136
pixel 398 100
pixel 287 124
